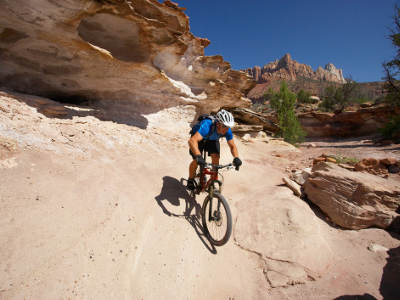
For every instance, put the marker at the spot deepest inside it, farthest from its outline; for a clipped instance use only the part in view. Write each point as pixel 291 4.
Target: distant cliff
pixel 288 69
pixel 299 76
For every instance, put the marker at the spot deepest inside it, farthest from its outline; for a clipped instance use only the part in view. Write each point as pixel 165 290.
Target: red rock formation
pixel 301 75
pixel 288 69
pixel 363 121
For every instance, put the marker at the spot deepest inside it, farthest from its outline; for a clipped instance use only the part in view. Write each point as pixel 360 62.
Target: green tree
pixel 283 103
pixel 392 80
pixel 338 98
pixel 268 95
pixel 330 98
pixel 304 97
pixel 392 67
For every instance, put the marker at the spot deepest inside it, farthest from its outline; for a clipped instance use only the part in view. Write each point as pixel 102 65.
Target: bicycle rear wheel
pixel 217 219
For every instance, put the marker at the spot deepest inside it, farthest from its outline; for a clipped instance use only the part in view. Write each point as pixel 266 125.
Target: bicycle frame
pixel 212 170
pixel 209 184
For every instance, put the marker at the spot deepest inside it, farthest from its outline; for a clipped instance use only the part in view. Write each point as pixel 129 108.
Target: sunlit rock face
pixel 288 69
pixel 298 75
pixel 138 55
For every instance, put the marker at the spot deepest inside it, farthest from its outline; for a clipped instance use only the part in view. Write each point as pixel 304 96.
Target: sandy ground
pixel 95 209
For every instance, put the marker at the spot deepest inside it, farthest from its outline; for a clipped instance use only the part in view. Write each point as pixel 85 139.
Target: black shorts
pixel 212 147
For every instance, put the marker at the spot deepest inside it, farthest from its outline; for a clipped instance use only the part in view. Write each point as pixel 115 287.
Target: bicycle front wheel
pixel 217 219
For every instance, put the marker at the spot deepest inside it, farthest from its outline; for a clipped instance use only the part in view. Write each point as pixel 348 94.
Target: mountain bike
pixel 216 214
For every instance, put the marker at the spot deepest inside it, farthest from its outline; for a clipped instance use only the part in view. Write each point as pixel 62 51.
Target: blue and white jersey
pixel 205 127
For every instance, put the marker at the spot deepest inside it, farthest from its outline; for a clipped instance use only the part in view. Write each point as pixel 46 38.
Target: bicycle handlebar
pixel 219 167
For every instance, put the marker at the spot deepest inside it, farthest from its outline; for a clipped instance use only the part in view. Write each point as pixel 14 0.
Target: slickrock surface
pixel 93 208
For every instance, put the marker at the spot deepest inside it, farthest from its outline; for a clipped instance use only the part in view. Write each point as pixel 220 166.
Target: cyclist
pixel 205 137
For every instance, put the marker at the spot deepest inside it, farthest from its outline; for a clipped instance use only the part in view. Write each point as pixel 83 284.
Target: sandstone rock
pixel 302 76
pixel 388 161
pixel 246 137
pixel 262 135
pixel 360 122
pixel 394 169
pixel 371 165
pixel 283 231
pixel 300 177
pixel 293 186
pixel 351 199
pixel 251 129
pixel 318 160
pixel 286 68
pixel 346 166
pixel 7 147
pixel 54 111
pixel 143 50
pixel 377 248
pixel 269 122
pixel 331 159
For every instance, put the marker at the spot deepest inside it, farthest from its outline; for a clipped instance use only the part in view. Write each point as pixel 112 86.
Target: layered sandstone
pixel 288 69
pixel 359 122
pixel 353 200
pixel 135 56
pixel 299 76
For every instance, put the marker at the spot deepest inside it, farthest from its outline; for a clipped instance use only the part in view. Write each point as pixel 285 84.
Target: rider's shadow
pixel 173 191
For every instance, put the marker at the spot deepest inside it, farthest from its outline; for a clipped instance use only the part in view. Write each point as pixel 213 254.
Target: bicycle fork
pixel 214 215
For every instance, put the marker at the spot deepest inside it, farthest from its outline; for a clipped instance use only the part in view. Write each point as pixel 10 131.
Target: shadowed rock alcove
pixel 119 36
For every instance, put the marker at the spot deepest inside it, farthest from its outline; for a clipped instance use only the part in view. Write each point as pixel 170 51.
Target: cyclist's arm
pixel 233 148
pixel 194 143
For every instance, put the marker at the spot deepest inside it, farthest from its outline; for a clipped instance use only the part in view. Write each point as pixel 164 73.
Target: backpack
pixel 202 117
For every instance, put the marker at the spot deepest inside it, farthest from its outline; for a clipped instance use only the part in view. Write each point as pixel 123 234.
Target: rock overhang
pixel 113 51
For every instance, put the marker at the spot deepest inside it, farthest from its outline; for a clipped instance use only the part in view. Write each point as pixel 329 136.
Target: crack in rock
pixel 281 273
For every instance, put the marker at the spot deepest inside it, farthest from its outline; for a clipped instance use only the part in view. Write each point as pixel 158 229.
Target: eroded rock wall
pixel 298 75
pixel 360 122
pixel 138 55
pixel 288 69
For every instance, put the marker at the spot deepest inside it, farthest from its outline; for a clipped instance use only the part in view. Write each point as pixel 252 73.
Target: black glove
pixel 237 162
pixel 200 160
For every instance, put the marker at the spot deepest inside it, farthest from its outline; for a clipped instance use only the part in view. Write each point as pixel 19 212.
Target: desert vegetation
pixel 392 81
pixel 339 98
pixel 283 103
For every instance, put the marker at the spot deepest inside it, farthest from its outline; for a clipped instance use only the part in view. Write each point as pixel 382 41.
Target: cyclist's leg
pixel 193 163
pixel 214 150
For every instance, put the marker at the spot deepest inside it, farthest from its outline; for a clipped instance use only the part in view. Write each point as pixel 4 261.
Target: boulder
pixel 300 176
pixel 268 122
pixel 243 129
pixel 296 188
pixel 374 166
pixel 353 200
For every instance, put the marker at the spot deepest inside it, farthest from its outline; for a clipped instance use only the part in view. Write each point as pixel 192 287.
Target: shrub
pixel 283 103
pixel 392 67
pixel 346 160
pixel 304 97
pixel 392 129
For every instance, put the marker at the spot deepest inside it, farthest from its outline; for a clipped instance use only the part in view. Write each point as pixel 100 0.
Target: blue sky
pixel 351 34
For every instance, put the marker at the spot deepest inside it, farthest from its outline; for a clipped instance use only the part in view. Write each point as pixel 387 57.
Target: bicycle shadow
pixel 173 190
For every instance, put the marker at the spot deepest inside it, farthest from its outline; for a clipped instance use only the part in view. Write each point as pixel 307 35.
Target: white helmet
pixel 226 118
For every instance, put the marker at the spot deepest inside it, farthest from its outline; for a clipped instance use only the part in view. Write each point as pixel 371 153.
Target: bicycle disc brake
pixel 217 218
